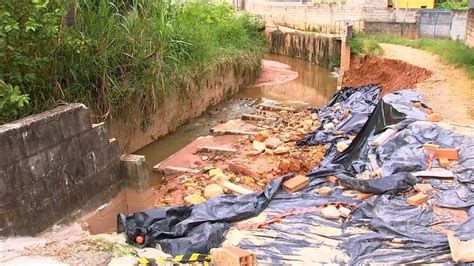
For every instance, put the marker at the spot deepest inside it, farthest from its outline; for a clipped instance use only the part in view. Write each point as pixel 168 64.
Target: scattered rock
pixel 258 146
pixel 417 104
pixel 314 116
pixel 326 191
pixel 425 188
pixel 212 190
pixel 281 150
pixel 346 112
pixel 262 135
pixel 417 199
pixel 461 251
pixel 194 199
pixel 328 126
pixel 345 211
pixel 341 146
pixel 434 117
pixel 331 178
pixel 331 212
pixel 204 158
pixel 272 142
pixel 215 172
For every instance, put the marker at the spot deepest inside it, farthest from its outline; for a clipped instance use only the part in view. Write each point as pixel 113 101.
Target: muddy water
pixel 315 85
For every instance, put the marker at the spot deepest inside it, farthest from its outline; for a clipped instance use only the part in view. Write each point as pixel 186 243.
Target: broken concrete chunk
pixel 326 191
pixel 215 172
pixel 341 146
pixel 417 199
pixel 434 117
pixel 444 162
pixel 346 112
pixel 272 142
pixel 314 116
pixel 435 173
pixel 331 212
pixel 345 211
pixel 212 190
pixel 425 188
pixel 234 188
pixel 461 251
pixel 262 135
pixel 280 150
pixel 194 199
pixel 430 147
pixel 258 146
pixel 328 126
pixel 296 183
pixel 331 178
pixel 216 149
pixel 175 170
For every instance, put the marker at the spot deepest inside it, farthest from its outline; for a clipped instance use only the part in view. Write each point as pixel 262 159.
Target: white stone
pixel 331 212
pixel 212 190
pixel 341 146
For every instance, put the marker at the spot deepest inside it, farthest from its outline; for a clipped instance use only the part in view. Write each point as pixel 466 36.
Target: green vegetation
pixel 452 52
pixel 452 4
pixel 117 52
pixel 365 45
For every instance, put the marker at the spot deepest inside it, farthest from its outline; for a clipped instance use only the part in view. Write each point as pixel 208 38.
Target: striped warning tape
pixel 194 257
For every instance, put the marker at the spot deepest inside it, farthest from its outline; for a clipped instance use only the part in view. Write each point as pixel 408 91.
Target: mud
pixel 392 74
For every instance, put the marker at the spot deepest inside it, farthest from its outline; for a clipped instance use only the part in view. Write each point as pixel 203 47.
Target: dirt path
pixel 448 91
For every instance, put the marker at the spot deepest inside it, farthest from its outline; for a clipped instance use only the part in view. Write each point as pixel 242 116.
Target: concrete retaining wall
pixel 194 98
pixel 406 30
pixel 320 50
pixel 50 165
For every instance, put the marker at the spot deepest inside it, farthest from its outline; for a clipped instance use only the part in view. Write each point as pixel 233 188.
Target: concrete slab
pixel 187 155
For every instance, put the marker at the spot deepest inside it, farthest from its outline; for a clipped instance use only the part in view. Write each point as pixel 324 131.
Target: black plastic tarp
pixel 395 232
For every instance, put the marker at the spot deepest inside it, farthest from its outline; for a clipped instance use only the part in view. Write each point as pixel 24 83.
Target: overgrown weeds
pixel 118 51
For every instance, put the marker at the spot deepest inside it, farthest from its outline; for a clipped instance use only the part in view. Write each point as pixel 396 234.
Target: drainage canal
pixel 283 79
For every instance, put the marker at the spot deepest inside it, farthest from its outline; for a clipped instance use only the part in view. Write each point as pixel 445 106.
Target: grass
pixel 129 52
pixel 451 52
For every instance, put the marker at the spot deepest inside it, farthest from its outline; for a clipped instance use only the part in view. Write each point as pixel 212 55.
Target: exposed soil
pixel 393 75
pixel 447 87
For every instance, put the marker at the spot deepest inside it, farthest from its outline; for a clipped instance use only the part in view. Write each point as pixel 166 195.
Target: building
pixel 429 4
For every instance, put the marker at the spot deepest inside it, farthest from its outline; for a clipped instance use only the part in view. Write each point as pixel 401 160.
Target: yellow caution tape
pixel 194 257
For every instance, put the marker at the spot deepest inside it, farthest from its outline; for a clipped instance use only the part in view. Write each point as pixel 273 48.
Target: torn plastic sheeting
pixel 360 101
pixel 290 240
pixel 194 229
pixel 388 184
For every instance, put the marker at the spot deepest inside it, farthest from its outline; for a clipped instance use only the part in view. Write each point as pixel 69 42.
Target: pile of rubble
pixel 242 156
pixel 362 180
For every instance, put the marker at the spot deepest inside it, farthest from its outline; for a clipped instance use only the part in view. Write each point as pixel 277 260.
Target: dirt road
pixel 448 91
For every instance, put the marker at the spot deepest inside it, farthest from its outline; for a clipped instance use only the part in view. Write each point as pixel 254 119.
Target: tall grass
pixel 453 52
pixel 139 51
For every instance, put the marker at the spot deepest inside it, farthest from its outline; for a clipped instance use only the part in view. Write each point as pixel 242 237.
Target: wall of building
pixel 470 28
pixel 458 25
pixel 429 4
pixel 50 165
pixel 406 30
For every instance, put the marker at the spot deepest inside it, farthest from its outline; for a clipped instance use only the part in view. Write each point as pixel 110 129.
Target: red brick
pixel 232 256
pixel 450 154
pixel 331 178
pixel 364 196
pixel 296 183
pixel 417 199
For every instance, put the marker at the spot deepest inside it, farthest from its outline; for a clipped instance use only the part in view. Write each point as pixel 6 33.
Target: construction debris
pixel 417 199
pixel 461 251
pixel 296 183
pixel 232 256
